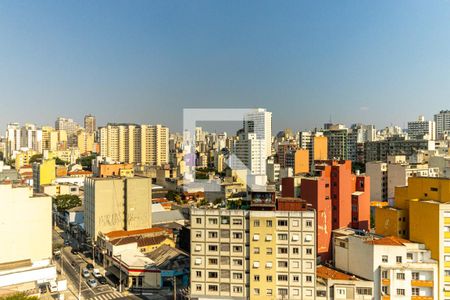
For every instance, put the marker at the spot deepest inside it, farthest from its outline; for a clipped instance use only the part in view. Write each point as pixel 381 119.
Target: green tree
pixel 86 161
pixel 173 196
pixel 65 202
pixel 61 162
pixel 19 296
pixel 36 158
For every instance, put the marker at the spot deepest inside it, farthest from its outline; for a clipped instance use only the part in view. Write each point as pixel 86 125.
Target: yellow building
pixel 301 161
pixel 23 158
pixel 43 173
pixel 320 148
pixel 421 213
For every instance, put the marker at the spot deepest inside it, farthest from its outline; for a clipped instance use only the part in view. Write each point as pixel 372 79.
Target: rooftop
pixel 328 273
pixel 124 233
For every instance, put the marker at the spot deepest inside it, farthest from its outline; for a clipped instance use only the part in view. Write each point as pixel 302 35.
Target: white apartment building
pixel 238 254
pixel 442 120
pixel 27 137
pixel 422 129
pixel 260 122
pixel 400 269
pixel 26 233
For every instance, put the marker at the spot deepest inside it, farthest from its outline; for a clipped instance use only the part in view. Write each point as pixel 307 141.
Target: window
pixel 308 223
pixel 384 258
pixel 237 221
pixel 268 223
pixel 237 262
pixel 385 290
pixel 256 250
pixel 198 261
pixel 295 223
pixel 296 292
pixel 213 275
pixel 398 259
pixel 415 291
pixel 256 264
pixel 282 223
pixel 237 289
pixel 409 256
pixel 237 235
pixel 434 189
pixel 256 291
pixel 340 291
pixel 212 248
pixel 198 234
pixel 364 291
pixel 282 264
pixel 237 249
pixel 268 237
pixel 282 277
pixel 295 250
pixel 268 265
pixel 212 234
pixel 198 273
pixel 384 274
pixel 282 236
pixel 269 251
pixel 282 250
pixel 401 292
pixel 213 261
pixel 308 238
pixel 213 221
pixel 225 220
pixel 308 278
pixel 269 278
pixel 295 278
pixel 256 278
pixel 256 223
pixel 213 288
pixel 198 221
pixel 269 292
pixel 401 276
pixel 256 237
pixel 309 251
pixel 198 248
pixel 282 292
pixel 237 275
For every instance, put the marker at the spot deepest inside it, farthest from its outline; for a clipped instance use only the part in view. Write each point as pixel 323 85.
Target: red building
pixel 341 199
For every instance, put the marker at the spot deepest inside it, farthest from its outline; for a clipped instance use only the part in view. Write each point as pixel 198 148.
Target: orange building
pixel 108 170
pixel 320 148
pixel 301 161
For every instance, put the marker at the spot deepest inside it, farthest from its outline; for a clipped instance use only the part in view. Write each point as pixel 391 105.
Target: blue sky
pixel 378 62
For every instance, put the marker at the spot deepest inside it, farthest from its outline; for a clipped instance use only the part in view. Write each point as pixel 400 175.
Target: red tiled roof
pixel 328 273
pixel 125 233
pixel 389 241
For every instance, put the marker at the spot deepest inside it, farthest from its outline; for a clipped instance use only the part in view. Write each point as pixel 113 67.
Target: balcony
pixel 447 249
pixel 385 281
pixel 422 283
pixel 447 264
pixel 385 297
pixel 447 235
pixel 446 278
pixel 421 298
pixel 447 221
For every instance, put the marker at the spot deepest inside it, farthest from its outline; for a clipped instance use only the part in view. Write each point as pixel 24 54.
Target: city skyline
pixel 307 63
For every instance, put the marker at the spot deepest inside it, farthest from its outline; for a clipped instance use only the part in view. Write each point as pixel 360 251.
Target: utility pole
pixel 174 287
pixel 79 285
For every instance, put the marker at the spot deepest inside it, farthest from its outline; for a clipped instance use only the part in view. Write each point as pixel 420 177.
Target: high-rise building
pixel 70 127
pixel 43 173
pixel 117 204
pixel 132 143
pixel 26 247
pixel 90 124
pixel 442 120
pixel 421 129
pixel 238 254
pixel 421 213
pixel 341 199
pixel 85 141
pixel 337 135
pixel 260 122
pixel 27 137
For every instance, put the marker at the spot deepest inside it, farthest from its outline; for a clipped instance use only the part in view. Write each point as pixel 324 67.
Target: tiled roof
pixel 142 241
pixel 389 241
pixel 328 273
pixel 125 233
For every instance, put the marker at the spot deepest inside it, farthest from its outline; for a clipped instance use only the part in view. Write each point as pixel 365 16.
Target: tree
pixel 86 161
pixel 60 162
pixel 19 296
pixel 65 202
pixel 173 196
pixel 36 158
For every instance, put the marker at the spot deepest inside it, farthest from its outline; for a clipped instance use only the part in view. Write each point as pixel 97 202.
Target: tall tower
pixel 90 124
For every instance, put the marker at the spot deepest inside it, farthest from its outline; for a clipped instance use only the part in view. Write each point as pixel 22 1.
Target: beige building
pixel 117 204
pixel 132 143
pixel 26 239
pixel 238 254
pixel 85 141
pixel 52 139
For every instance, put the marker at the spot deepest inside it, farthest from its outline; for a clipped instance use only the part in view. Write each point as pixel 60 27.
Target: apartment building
pixel 421 213
pixel 422 129
pixel 239 254
pixel 442 120
pixel 399 268
pixel 117 204
pixel 132 143
pixel 397 145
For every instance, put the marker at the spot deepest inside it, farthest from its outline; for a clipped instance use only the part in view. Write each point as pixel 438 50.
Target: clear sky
pixel 378 62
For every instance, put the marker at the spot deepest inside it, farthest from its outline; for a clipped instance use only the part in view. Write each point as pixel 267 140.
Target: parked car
pixel 96 273
pixel 53 286
pixel 74 251
pixel 86 273
pixel 90 267
pixel 92 282
pixel 102 280
pixel 66 243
